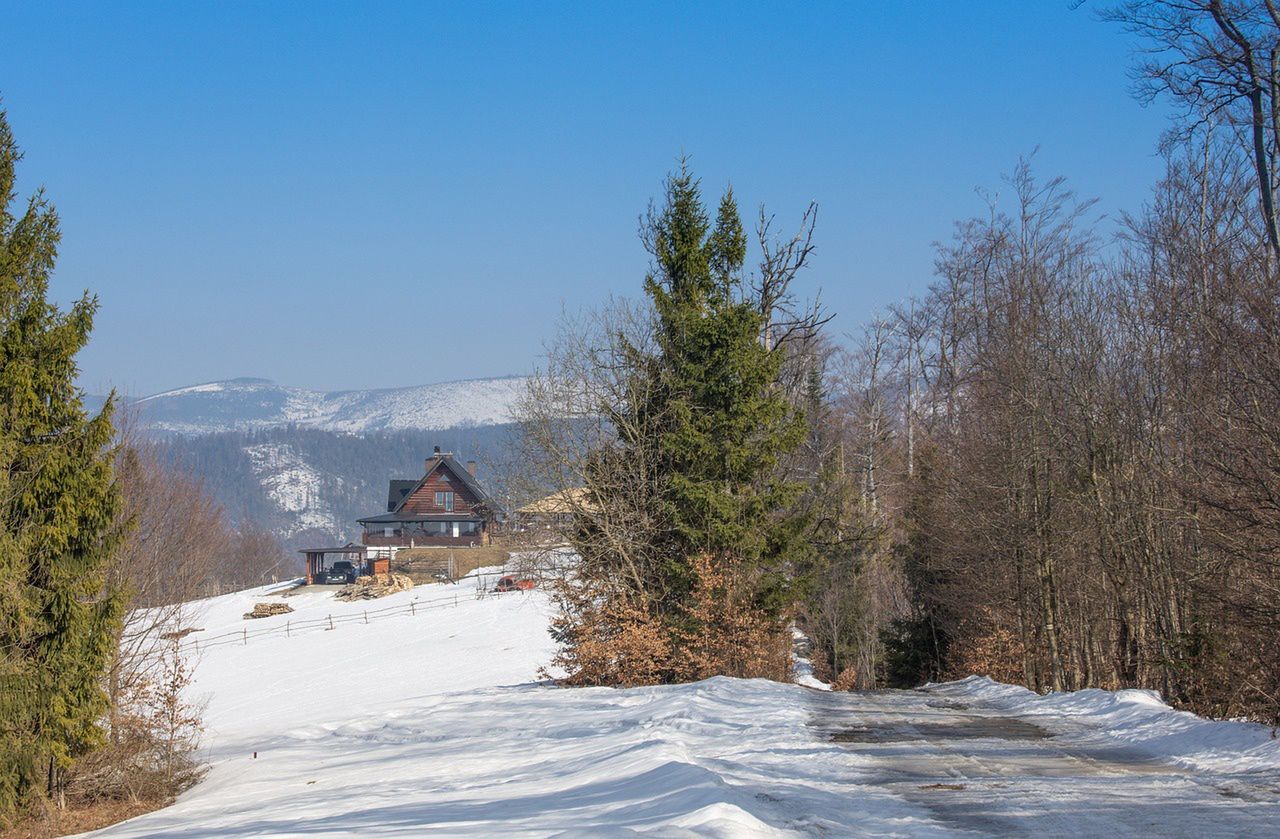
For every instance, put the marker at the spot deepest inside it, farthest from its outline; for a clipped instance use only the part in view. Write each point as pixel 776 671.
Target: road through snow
pixel 977 768
pixel 429 718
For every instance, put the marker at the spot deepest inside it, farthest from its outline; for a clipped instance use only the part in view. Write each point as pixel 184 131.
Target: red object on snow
pixel 512 584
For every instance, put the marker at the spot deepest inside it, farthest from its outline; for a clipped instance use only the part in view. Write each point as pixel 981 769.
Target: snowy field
pixel 434 724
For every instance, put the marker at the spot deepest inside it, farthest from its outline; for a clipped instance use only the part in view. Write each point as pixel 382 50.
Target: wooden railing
pixel 423 541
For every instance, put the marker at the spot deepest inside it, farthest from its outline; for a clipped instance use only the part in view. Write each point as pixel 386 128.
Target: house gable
pixel 444 476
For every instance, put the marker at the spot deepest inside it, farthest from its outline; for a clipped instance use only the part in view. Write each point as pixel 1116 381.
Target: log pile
pixel 373 587
pixel 266 610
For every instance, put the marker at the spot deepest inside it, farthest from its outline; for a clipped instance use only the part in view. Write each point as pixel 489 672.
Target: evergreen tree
pixel 58 512
pixel 711 423
pixel 725 422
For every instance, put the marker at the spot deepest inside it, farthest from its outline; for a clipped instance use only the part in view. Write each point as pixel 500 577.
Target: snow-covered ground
pixel 435 724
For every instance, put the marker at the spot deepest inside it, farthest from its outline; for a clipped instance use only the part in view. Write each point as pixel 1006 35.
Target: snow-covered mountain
pixel 310 484
pixel 253 404
pixel 305 464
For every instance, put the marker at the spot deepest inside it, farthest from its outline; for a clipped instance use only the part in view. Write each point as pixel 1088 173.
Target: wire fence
pixel 289 628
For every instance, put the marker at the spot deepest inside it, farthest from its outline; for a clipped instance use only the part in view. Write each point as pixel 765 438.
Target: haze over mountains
pixel 249 404
pixel 305 464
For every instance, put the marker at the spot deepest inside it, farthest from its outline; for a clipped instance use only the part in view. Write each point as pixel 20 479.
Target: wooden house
pixel 445 507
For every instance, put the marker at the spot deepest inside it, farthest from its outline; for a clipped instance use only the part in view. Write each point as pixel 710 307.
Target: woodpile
pixel 375 586
pixel 266 610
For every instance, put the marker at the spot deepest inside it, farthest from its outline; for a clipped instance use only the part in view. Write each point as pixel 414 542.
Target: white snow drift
pixel 435 724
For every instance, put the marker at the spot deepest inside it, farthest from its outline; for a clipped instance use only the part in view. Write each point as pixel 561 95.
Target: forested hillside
pixel 308 485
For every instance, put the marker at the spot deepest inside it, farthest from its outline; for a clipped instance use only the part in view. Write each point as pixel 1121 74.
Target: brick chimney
pixel 471 467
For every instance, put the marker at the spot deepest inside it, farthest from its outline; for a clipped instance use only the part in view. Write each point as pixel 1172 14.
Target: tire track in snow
pixel 977 769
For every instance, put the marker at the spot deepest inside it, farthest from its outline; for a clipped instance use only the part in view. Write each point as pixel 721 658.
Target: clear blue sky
pixel 371 195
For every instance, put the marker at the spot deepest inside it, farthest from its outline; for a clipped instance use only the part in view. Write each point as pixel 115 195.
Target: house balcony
pixel 420 540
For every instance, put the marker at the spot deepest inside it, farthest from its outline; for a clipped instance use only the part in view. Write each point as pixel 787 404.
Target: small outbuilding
pixel 555 510
pixel 322 562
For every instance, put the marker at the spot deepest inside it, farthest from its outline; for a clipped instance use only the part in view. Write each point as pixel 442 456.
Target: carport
pixel 320 560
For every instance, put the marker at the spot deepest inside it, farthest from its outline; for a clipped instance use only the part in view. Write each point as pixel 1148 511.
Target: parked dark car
pixel 340 573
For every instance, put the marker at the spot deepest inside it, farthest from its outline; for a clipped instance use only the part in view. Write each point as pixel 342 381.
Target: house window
pixel 445 499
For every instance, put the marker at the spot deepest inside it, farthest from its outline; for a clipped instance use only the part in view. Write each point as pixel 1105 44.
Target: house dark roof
pixel 398 491
pixel 389 518
pixel 460 472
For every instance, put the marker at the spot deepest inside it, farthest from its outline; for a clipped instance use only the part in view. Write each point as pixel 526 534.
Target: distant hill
pixel 255 404
pixel 307 485
pixel 305 464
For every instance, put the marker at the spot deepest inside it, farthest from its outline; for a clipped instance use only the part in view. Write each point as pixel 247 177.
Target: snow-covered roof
pixel 560 502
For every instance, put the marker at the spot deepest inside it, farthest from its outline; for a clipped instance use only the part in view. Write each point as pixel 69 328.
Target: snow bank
pixel 1136 718
pixel 459 637
pixel 722 758
pixel 434 724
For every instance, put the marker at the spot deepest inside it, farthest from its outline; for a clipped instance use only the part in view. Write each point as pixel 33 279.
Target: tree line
pixel 1063 454
pixel 1057 467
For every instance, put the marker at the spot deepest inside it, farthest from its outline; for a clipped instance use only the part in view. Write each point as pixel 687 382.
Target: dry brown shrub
pixel 847 680
pixel 985 647
pixel 821 667
pixel 616 642
pixel 153 735
pixel 79 817
pixel 613 637
pixel 723 634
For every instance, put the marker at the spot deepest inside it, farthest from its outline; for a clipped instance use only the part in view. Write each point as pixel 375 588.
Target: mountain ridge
pixel 251 403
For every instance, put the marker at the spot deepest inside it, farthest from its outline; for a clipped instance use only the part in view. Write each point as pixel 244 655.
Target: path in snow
pixel 975 767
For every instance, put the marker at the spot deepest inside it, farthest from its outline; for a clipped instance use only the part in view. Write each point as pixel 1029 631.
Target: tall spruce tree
pixel 58 511
pixel 724 422
pixel 710 423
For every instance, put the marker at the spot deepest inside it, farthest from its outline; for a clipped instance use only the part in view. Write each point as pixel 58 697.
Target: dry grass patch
pixel 80 818
pixel 422 565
